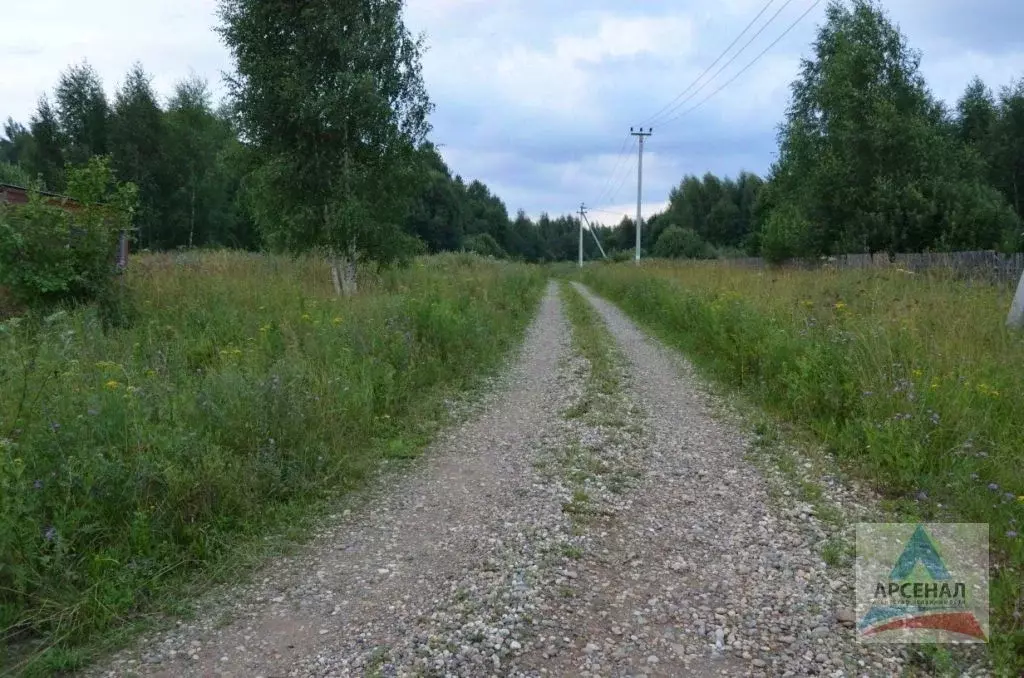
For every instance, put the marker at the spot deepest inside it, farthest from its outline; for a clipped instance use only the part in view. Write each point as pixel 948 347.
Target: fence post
pixel 1015 319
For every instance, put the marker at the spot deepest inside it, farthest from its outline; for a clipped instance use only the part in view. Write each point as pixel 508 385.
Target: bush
pixel 675 243
pixel 483 244
pixel 49 254
pixel 783 234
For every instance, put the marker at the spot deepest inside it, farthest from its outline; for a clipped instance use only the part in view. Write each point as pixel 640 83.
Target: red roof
pixel 18 195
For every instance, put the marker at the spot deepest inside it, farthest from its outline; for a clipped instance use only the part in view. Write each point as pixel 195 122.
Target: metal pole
pixel 639 183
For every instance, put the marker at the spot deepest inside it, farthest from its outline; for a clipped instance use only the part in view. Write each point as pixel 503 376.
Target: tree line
pixel 323 142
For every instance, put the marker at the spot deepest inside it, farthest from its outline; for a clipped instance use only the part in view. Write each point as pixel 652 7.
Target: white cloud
pixel 42 38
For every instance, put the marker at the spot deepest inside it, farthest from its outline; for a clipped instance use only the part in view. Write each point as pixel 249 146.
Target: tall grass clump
pixel 913 380
pixel 133 458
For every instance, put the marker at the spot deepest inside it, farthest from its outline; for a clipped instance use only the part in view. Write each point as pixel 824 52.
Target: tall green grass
pixel 132 459
pixel 912 380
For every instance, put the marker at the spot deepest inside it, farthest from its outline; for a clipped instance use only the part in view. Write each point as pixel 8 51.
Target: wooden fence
pixel 989 266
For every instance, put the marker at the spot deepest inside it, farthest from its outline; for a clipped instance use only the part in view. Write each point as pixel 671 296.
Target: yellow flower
pixel 307 317
pixel 840 306
pixel 265 328
pixel 113 384
pixel 917 373
pixel 807 303
pixel 337 320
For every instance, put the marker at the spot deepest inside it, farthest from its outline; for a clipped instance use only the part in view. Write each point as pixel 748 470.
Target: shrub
pixel 484 244
pixel 676 243
pixel 49 254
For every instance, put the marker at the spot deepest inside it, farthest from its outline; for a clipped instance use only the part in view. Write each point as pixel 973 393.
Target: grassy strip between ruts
pixel 593 341
pixel 139 460
pixel 912 381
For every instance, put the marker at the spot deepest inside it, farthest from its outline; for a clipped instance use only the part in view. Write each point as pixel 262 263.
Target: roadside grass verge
pixel 912 381
pixel 135 462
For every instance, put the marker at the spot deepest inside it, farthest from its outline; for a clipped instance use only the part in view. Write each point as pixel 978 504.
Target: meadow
pixel 241 395
pixel 911 380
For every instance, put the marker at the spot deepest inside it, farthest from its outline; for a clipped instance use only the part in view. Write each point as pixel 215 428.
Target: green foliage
pixel 49 254
pixel 46 154
pixel 908 395
pixel 334 105
pixel 244 393
pixel 483 244
pixel 83 113
pixel 720 211
pixel 867 160
pixel 15 144
pixel 15 175
pixel 137 143
pixel 682 243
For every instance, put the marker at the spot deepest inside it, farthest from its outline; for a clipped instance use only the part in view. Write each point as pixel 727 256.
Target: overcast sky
pixel 535 97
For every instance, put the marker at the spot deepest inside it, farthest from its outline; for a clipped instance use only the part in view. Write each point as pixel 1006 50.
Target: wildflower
pixel 113 385
pixel 38 484
pixel 840 306
pixel 935 418
pixel 337 320
pixel 866 394
pixel 993 486
pixel 92 412
pixel 307 317
pixel 807 303
pixel 917 374
pixel 1020 498
pixel 1012 534
pixel 50 533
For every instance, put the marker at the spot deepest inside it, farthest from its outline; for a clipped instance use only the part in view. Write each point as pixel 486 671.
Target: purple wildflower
pixel 38 484
pixel 1012 534
pixel 50 533
pixel 993 486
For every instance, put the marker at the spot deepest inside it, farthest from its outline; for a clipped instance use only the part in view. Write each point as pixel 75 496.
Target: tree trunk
pixel 336 276
pixel 348 277
pixel 192 216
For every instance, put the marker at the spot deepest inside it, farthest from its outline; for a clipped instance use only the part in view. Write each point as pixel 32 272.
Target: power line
pixel 629 171
pixel 731 59
pixel 623 152
pixel 745 68
pixel 712 65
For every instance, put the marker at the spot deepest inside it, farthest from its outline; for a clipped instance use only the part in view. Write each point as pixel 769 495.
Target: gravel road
pixel 633 541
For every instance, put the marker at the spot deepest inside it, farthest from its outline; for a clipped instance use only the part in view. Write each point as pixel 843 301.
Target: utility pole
pixel 590 227
pixel 639 181
pixel 583 212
